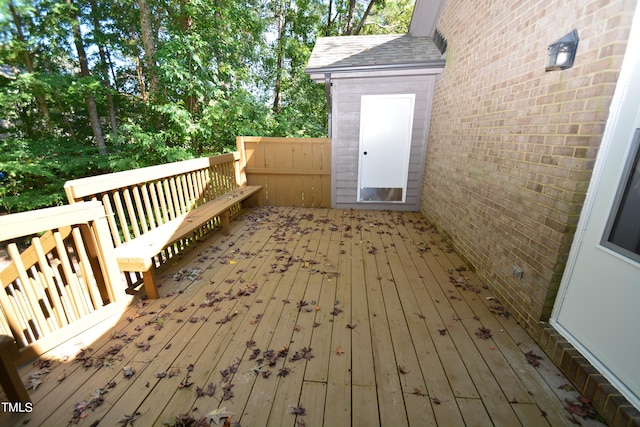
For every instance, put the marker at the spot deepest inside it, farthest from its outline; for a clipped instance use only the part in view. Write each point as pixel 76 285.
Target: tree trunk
pixel 149 47
pixel 186 24
pixel 281 17
pixel 104 67
pixel 351 17
pixel 84 72
pixel 327 30
pixel 364 18
pixel 40 99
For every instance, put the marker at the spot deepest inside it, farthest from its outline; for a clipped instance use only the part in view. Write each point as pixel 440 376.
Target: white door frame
pixel 621 114
pixel 383 143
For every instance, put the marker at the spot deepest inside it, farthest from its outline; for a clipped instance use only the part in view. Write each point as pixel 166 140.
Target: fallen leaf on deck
pixel 436 401
pixel 209 391
pixel 442 331
pixel 336 311
pixel 532 358
pixel 254 354
pixel 483 333
pixel 143 346
pixel 339 351
pixel 299 410
pixel 351 325
pixel 284 372
pixel 33 384
pixel 582 408
pixel 402 369
pixel 227 393
pixel 128 419
pixel 128 372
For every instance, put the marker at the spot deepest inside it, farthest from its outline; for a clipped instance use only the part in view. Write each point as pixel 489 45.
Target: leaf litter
pixel 267 358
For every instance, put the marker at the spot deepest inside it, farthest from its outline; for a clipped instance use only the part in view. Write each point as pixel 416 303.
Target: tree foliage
pixel 93 86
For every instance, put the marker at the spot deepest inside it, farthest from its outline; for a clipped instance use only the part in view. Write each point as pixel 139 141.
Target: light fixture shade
pixel 563 52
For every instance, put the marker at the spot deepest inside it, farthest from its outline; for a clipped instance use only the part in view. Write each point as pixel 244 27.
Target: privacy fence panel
pixel 293 171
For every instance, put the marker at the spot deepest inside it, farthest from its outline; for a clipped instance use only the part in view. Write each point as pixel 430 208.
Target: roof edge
pixel 406 66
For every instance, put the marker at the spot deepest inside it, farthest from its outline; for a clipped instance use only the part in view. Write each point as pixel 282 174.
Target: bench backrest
pixel 63 281
pixel 139 200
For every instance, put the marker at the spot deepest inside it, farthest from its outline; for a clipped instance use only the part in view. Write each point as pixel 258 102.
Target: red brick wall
pixel 511 147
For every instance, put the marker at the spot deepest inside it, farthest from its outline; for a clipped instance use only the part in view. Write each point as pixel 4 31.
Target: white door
pixel 385 146
pixel 597 308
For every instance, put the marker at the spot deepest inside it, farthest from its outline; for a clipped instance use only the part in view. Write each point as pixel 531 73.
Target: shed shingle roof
pixel 353 53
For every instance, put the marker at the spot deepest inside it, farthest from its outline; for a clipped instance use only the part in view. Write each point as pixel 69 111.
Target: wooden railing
pixel 293 171
pixel 65 278
pixel 141 199
pixel 62 280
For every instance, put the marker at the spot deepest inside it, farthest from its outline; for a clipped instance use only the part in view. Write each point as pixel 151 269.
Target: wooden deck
pixel 345 317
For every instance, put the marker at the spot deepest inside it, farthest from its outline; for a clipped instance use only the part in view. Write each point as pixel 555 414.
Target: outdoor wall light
pixel 563 52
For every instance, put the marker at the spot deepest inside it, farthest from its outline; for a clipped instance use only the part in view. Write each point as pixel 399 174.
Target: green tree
pixel 169 79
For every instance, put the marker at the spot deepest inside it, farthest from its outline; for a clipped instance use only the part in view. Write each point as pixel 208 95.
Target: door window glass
pixel 623 228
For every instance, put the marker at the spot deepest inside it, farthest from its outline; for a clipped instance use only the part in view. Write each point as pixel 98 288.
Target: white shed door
pixel 385 146
pixel 597 308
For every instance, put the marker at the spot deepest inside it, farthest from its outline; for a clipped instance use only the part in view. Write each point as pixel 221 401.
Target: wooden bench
pixel 155 212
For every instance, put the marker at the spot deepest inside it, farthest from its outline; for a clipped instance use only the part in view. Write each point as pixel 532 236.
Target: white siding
pixel 346 130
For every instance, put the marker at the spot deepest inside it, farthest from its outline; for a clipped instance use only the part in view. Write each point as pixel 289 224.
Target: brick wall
pixel 511 147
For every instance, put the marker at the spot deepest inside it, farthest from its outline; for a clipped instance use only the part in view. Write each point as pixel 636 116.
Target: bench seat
pixel 138 253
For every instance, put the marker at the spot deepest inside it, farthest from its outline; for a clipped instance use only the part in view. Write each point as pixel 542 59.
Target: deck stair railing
pixel 61 275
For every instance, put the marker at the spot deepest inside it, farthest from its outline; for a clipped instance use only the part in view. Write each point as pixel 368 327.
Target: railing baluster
pixel 106 202
pixel 13 318
pixel 87 272
pixel 19 305
pixel 149 211
pixel 131 211
pixel 49 282
pixel 142 217
pixel 124 224
pixel 29 289
pixel 69 277
pixel 170 198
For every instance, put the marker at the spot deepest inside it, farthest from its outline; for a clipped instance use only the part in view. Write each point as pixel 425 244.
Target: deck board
pixel 401 350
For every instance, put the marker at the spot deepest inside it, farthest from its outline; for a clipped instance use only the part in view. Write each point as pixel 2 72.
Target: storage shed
pixel 379 91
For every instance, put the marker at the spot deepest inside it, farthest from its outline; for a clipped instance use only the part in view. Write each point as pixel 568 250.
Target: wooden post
pixel 9 378
pixel 224 222
pixel 150 283
pixel 241 165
